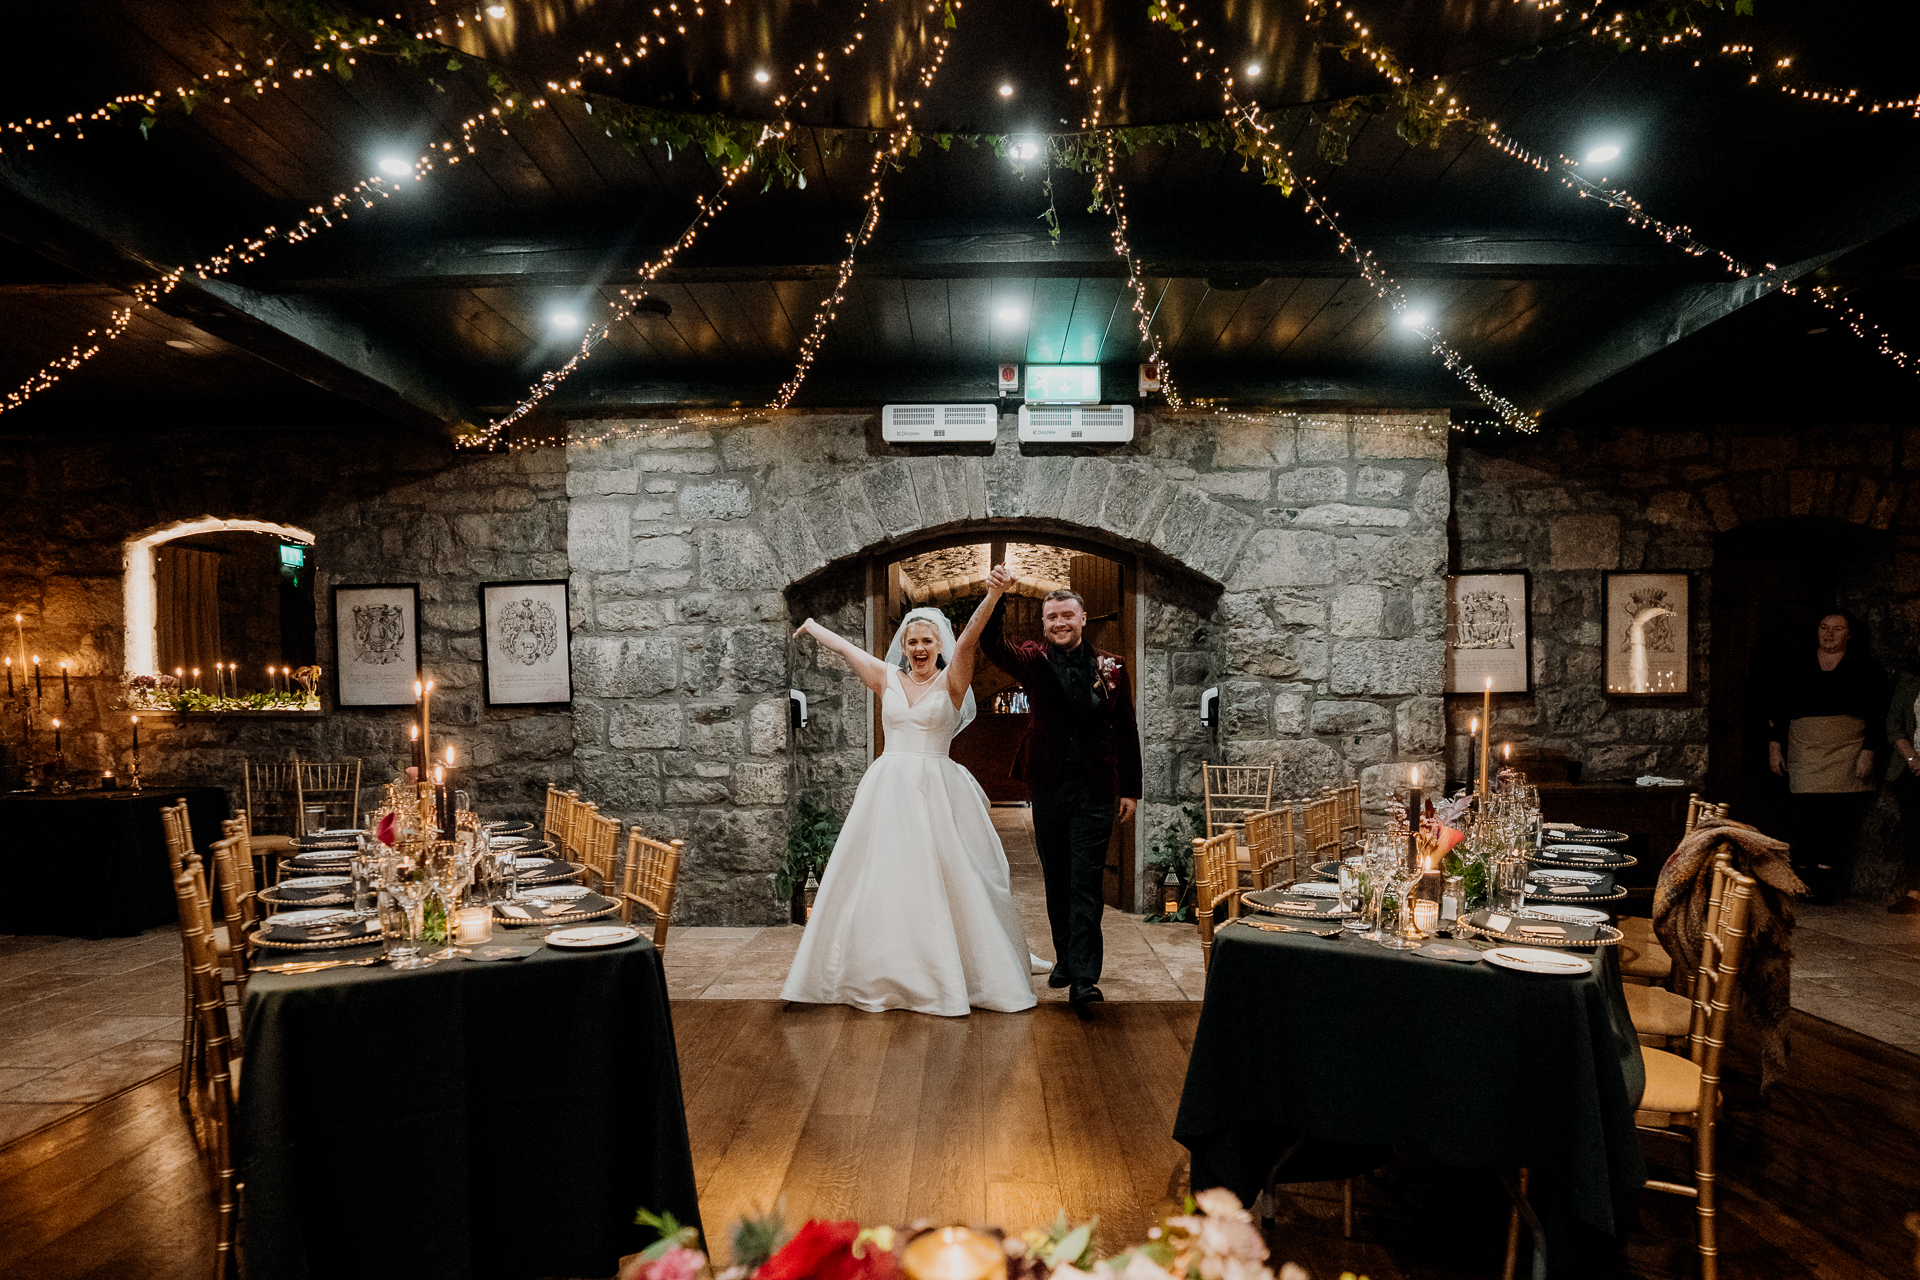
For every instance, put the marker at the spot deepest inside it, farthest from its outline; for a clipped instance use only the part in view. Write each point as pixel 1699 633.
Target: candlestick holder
pixel 58 775
pixel 1408 935
pixel 133 778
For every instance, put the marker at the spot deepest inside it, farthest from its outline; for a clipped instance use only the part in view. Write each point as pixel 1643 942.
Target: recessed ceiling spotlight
pixel 1006 91
pixel 1010 315
pixel 762 76
pixel 396 166
pixel 496 11
pixel 181 344
pixel 564 321
pixel 1600 155
pixel 1414 319
pixel 1253 70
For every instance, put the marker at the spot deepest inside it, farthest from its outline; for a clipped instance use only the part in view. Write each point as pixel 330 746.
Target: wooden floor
pixel 1007 1118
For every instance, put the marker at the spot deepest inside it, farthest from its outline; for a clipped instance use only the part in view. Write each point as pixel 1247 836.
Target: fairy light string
pixel 1256 134
pixel 902 141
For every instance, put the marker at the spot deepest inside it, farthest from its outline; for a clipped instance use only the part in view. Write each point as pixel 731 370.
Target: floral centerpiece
pixel 1214 1239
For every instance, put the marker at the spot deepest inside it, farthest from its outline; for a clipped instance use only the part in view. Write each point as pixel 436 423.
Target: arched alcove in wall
pixel 138 579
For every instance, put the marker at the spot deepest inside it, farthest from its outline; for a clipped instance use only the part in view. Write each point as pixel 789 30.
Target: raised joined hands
pixel 1000 580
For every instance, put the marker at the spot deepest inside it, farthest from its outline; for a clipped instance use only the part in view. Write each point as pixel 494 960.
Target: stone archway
pixel 1294 559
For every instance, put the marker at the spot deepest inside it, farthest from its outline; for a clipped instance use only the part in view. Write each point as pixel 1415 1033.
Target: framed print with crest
pixel 376 644
pixel 525 654
pixel 1487 632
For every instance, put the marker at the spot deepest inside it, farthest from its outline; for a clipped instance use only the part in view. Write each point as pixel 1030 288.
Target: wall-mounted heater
pixel 1076 423
pixel 939 423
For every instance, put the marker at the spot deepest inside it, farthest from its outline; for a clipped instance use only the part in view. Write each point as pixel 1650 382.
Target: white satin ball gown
pixel 916 909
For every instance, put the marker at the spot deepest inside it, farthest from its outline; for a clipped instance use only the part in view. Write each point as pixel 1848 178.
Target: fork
pixel 1284 928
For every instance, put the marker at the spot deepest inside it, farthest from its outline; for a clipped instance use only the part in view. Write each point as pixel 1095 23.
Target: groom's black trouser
pixel 1071 829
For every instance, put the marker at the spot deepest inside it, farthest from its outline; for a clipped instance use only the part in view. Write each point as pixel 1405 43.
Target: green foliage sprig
pixel 810 840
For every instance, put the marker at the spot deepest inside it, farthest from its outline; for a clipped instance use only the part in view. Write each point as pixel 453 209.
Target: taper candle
pixel 1413 819
pixel 9 679
pixel 1486 736
pixel 39 692
pixel 56 737
pixel 136 738
pixel 66 685
pixel 413 748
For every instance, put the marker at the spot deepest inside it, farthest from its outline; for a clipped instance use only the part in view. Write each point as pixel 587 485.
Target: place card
pixel 1499 923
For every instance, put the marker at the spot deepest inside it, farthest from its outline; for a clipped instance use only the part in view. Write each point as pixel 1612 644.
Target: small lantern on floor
pixel 954 1253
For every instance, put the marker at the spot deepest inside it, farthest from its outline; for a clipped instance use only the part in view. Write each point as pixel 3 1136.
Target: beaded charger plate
pixel 563 917
pixel 1605 935
pixel 1547 893
pixel 1325 870
pixel 1269 902
pixel 1585 835
pixel 271 898
pixel 361 937
pixel 1581 855
pixel 552 873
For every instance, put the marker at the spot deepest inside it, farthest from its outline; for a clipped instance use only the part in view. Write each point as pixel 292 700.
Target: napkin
pixel 497 951
pixel 1655 780
pixel 539 910
pixel 1448 951
pixel 296 933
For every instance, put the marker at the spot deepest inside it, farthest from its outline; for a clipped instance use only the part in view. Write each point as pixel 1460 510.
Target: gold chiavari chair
pixel 598 841
pixel 1693 811
pixel 332 785
pixel 1348 814
pixel 1270 847
pixel 1216 876
pixel 1661 1016
pixel 239 904
pixel 1683 1093
pixel 273 806
pixel 179 836
pixel 559 813
pixel 178 830
pixel 647 880
pixel 1235 790
pixel 1322 818
pixel 220 1055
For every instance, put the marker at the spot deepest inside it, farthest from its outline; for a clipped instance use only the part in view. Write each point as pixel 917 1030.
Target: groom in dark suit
pixel 1081 760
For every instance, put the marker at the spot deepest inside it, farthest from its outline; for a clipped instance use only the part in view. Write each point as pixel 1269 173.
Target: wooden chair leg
pixel 1517 1192
pixel 187 1035
pixel 1705 1211
pixel 1346 1208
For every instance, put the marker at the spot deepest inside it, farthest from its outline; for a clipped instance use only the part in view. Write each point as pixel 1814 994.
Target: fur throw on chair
pixel 1680 917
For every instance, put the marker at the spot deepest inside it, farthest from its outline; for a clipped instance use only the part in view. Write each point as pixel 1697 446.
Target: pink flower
pixel 675 1264
pixel 1221 1203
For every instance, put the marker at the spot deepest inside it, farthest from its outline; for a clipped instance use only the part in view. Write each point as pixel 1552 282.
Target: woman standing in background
pixel 1817 740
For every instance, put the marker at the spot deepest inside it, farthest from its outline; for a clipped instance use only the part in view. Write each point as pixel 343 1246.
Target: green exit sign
pixel 1063 384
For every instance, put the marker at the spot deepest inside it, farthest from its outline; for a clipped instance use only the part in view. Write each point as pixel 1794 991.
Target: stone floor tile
pixel 102 1074
pixel 19 1119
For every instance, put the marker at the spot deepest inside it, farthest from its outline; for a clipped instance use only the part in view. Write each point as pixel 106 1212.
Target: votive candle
pixel 473 926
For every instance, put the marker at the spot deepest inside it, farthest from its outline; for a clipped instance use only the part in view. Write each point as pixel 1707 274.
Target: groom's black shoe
pixel 1088 994
pixel 1058 978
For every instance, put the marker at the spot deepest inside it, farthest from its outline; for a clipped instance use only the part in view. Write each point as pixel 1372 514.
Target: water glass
pixel 1507 880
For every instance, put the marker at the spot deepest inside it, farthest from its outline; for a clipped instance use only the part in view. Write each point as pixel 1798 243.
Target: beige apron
pixel 1822 752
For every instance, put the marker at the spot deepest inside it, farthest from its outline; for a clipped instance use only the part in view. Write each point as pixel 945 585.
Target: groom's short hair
pixel 1064 593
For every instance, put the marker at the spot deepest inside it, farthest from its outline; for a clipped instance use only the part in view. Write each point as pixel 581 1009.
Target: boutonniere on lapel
pixel 1108 670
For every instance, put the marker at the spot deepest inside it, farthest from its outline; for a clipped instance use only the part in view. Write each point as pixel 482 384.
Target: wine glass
pixel 408 881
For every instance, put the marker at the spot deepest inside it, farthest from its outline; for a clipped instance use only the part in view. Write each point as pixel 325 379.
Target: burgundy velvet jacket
pixel 1110 738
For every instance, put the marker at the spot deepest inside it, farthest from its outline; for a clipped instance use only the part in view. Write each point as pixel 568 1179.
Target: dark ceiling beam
pixel 1849 234
pixel 812 251
pixel 70 219
pixel 854 385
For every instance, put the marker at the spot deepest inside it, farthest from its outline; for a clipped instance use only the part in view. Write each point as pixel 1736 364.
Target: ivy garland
pixel 331 38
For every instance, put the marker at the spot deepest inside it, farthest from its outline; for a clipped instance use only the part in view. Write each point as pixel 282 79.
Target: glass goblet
pixel 407 880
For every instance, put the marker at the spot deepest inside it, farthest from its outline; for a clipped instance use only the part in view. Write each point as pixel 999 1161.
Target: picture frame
pixel 1646 653
pixel 526 638
pixel 376 644
pixel 1489 631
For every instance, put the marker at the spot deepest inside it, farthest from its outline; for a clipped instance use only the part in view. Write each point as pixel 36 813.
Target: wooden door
pixel 1104 585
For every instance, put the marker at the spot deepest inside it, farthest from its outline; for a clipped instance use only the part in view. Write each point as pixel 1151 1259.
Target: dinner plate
pixel 1579 851
pixel 1316 889
pixel 1561 875
pixel 315 915
pixel 315 882
pixel 532 864
pixel 1588 834
pixel 508 842
pixel 333 833
pixel 592 935
pixel 1537 960
pixel 560 892
pixel 1577 915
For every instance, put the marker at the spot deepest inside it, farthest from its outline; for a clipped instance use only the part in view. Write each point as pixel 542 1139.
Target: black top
pixel 1857 686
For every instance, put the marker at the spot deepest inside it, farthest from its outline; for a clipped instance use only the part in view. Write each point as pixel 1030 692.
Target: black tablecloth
pixel 1345 1042
pixel 93 864
pixel 467 1120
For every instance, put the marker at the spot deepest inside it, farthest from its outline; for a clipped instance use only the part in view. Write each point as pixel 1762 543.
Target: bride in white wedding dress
pixel 915 910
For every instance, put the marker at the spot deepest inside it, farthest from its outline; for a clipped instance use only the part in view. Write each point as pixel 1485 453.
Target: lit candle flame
pixel 449 757
pixel 1416 775
pixel 414 730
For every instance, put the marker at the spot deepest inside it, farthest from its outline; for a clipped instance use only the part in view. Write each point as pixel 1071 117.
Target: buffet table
pixel 109 841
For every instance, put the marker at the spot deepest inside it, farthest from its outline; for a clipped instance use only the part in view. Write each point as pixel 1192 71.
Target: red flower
pixel 387 828
pixel 824 1251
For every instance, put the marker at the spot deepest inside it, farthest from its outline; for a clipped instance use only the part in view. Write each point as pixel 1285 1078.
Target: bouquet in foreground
pixel 1214 1239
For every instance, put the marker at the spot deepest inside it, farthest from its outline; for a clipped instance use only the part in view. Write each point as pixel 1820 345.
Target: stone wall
pixel 1568 504
pixel 383 510
pixel 1293 562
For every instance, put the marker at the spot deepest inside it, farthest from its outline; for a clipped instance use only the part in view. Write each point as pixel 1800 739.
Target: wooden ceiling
pixel 435 306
